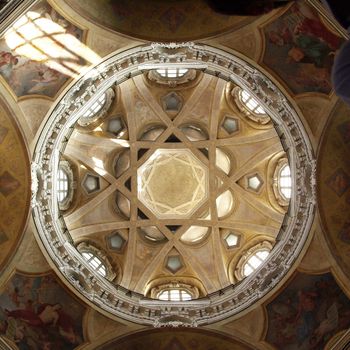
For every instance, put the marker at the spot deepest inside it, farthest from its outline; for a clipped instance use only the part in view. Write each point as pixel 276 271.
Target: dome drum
pixel 225 302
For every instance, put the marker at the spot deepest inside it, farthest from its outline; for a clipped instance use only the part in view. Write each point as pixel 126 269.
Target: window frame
pixel 239 271
pixel 229 232
pixel 259 118
pixel 250 264
pixel 180 285
pixel 65 168
pixel 178 74
pixel 181 293
pixel 90 258
pixel 89 118
pixel 62 185
pixel 259 177
pixel 85 178
pixel 154 76
pixel 280 196
pixel 88 248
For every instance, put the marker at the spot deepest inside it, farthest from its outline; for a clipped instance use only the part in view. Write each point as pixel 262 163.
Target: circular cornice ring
pixel 127 304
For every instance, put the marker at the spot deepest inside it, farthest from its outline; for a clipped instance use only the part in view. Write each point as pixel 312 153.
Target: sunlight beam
pixel 41 39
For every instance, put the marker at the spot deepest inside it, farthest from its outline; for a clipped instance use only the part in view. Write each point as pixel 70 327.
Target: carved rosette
pixel 127 304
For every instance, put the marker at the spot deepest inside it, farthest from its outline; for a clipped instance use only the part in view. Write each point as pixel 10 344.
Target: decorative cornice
pixel 116 299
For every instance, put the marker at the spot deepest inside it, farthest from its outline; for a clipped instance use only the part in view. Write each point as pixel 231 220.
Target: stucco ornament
pixel 127 304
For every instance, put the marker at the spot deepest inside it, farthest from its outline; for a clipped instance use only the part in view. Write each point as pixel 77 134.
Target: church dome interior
pixel 171 176
pixel 178 184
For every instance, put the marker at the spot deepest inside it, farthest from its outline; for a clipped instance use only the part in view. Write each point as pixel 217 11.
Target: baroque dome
pixel 174 184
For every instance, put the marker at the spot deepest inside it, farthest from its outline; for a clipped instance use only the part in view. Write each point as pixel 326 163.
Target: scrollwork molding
pixel 125 303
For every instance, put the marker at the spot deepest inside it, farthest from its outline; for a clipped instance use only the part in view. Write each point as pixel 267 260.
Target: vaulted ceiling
pixel 190 119
pixel 160 218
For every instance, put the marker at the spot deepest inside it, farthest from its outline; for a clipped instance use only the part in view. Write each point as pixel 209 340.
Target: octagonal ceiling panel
pixel 173 183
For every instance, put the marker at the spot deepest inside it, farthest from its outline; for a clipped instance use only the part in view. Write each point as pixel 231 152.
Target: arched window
pixel 251 259
pixel 250 102
pixel 151 133
pixel 172 72
pixel 282 182
pixel 285 182
pixel 62 185
pixel 222 161
pixel 175 294
pixel 194 132
pixel 96 263
pixel 98 260
pixel 250 106
pixel 96 107
pixel 175 291
pixel 254 261
pixel 224 203
pixel 172 76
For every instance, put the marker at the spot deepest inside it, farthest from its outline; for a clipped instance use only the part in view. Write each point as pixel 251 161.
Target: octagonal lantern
pixel 173 183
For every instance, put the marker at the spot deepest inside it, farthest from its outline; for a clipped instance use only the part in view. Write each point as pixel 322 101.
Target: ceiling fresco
pixel 308 313
pixel 168 20
pixel 14 184
pixel 300 48
pixel 334 184
pixel 30 61
pixel 36 312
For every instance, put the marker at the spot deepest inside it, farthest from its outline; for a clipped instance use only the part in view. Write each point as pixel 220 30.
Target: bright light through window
pixel 254 261
pixel 62 185
pixel 232 240
pixel 223 161
pixel 95 263
pixel 39 38
pixel 285 182
pixel 224 203
pixel 96 107
pixel 172 72
pixel 251 103
pixel 174 295
pixel 254 182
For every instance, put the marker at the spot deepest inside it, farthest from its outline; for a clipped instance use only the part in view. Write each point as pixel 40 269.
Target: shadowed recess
pixel 166 20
